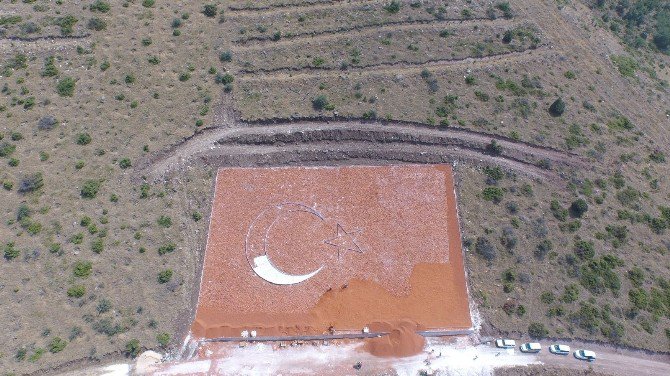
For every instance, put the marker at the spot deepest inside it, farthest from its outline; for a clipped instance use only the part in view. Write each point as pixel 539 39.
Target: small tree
pixel 209 10
pixel 484 248
pixel 557 108
pixel 578 208
pixel 320 102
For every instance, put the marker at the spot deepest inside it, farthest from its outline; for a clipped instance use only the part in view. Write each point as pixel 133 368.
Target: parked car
pixel 505 343
pixel 531 347
pixel 559 349
pixel 585 355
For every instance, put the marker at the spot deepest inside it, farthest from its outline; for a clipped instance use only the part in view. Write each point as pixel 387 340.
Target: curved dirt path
pixel 338 142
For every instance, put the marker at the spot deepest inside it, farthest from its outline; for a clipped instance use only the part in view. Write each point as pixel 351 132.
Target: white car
pixel 559 349
pixel 532 347
pixel 505 343
pixel 585 355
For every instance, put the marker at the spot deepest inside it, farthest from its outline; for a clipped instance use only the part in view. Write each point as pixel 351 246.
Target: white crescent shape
pixel 256 244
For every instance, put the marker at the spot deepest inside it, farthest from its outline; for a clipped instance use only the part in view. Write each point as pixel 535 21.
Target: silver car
pixel 559 349
pixel 587 355
pixel 505 343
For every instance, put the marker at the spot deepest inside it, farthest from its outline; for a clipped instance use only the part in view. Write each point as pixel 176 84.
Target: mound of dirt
pixel 402 340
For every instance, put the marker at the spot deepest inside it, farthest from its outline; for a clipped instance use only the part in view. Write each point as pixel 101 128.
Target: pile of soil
pixel 402 340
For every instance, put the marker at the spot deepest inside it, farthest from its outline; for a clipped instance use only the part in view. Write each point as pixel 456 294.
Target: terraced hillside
pixel 116 115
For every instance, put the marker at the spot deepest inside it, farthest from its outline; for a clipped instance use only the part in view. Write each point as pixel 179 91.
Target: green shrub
pixel 585 250
pixel 106 326
pixel 103 306
pixel 183 77
pixel 133 347
pixel 49 69
pixel 36 355
pixel 97 246
pixel 125 163
pixel 22 352
pixel 11 252
pixel 148 3
pixel 543 248
pixel 495 173
pixel 470 80
pixel 96 24
pixel 163 339
pixel 164 276
pixel 225 79
pixel 65 86
pixel 657 156
pixel 197 216
pixel 485 249
pixel 446 33
pixel 320 102
pixel 494 194
pixel 537 330
pixel 90 189
pixel 226 56
pixel 662 34
pixel 571 293
pixel 76 291
pixel 164 221
pixel 393 7
pixel 547 297
pixel 636 276
pixel 557 108
pixel 31 183
pixel 620 123
pixel 104 65
pixel 82 269
pixel 6 149
pixel 166 248
pixel 10 20
pixel 209 10
pixel 587 317
pixel 494 148
pixel 638 298
pixel 66 24
pixel 100 6
pixel 57 345
pixel 625 64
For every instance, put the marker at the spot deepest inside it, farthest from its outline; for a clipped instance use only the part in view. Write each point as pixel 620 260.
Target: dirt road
pixel 346 141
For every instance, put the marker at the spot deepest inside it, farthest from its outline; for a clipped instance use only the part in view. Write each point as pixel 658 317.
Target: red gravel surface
pixel 396 256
